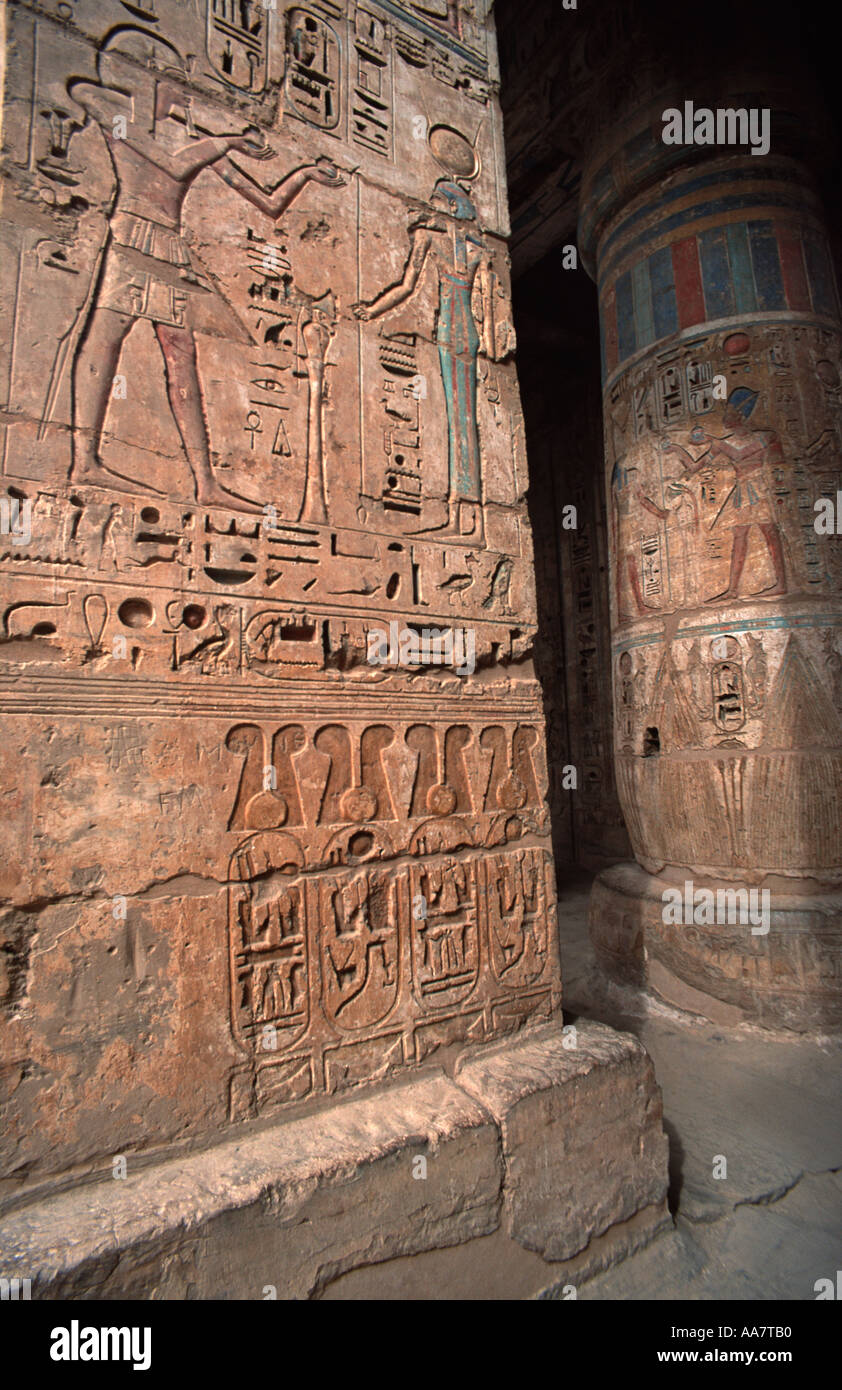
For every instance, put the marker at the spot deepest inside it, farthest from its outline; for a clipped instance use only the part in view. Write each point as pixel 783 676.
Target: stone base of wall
pixel 544 1161
pixel 786 978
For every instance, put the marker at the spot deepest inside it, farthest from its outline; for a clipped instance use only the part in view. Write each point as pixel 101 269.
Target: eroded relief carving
pixel 715 513
pixel 144 269
pixel 387 935
pixel 230 477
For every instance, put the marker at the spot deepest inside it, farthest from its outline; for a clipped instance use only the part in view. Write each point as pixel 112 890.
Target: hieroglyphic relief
pixel 403 946
pixel 225 478
pixel 146 271
pixel 461 268
pixel 712 504
pixel 237 42
pixel 711 512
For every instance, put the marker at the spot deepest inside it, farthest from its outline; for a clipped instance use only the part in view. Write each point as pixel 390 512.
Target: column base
pixel 546 1157
pixel 788 977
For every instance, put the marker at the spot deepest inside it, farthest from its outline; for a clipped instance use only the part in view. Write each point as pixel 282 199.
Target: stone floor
pixel 770 1103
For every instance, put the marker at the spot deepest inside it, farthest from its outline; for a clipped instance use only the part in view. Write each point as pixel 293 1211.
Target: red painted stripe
pixel 796 288
pixel 609 328
pixel 689 294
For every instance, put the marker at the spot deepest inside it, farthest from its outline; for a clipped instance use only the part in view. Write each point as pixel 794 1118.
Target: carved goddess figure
pixel 145 270
pixel 450 239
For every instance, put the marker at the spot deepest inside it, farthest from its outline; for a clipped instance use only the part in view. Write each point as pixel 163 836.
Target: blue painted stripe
pixel 820 274
pixel 715 208
pixel 716 274
pixel 662 282
pixel 799 620
pixel 742 275
pixel 645 326
pixel 697 185
pixel 625 317
pixel 768 276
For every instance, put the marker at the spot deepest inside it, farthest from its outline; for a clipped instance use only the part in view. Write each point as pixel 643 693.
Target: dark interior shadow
pixel 676 1167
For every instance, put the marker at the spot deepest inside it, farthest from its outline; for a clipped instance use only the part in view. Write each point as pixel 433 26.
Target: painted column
pixel 722 388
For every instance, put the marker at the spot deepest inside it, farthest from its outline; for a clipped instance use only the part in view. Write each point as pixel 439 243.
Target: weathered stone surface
pixel 783 977
pixel 560 1151
pixel 753 1118
pixel 583 1142
pixel 758 1253
pixel 291 1207
pixel 497 1267
pixel 273 747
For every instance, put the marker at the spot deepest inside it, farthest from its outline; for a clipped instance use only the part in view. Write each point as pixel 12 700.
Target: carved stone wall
pixel 260 401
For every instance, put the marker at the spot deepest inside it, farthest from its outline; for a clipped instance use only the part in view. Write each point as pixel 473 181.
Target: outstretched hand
pixel 252 142
pixel 325 171
pixel 362 311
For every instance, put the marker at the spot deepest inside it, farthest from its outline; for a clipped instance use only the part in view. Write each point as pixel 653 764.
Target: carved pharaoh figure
pixel 749 452
pixel 145 269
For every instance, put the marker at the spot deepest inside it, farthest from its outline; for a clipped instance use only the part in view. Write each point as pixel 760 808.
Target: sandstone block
pixel 581 1126
pixel 277 1214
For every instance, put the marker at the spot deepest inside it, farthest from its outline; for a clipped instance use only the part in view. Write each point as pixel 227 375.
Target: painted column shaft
pixel 722 386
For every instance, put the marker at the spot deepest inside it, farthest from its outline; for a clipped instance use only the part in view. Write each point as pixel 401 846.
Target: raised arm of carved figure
pixel 199 153
pixel 689 464
pixel 105 105
pixel 100 104
pixel 652 507
pixel 764 448
pixel 276 199
pixel 422 239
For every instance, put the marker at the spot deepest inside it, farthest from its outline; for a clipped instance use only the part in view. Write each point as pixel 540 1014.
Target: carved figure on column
pixel 747 503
